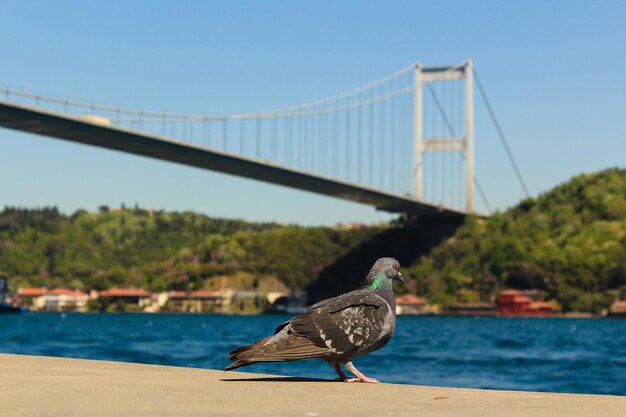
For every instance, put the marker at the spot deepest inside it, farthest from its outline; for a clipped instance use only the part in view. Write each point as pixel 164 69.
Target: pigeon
pixel 336 330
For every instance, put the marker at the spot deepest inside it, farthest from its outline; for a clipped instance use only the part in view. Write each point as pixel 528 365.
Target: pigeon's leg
pixel 359 375
pixel 337 368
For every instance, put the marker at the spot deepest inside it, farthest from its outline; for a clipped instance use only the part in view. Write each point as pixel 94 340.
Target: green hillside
pixel 162 251
pixel 570 243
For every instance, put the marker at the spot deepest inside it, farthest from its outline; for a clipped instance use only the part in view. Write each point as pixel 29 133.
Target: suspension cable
pixel 501 135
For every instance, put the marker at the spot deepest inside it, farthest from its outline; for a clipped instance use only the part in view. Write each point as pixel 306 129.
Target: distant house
pixel 514 303
pixel 411 304
pixel 236 301
pixel 194 301
pixel 130 298
pixel 29 294
pixel 618 309
pixel 540 308
pixel 59 299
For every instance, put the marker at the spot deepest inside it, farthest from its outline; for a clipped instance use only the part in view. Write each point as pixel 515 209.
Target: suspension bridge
pixel 403 143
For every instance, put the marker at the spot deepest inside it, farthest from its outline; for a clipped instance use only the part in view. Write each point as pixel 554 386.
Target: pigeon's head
pixel 384 271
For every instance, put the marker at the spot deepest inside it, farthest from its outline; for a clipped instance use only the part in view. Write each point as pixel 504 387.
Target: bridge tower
pixel 452 143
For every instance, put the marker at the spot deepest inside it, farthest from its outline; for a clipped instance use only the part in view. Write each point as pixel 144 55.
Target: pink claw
pixel 360 377
pixel 364 379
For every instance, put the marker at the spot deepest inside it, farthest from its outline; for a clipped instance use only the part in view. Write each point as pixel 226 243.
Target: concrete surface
pixel 44 386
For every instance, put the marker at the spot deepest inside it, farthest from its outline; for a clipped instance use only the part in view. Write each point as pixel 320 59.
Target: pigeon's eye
pixel 395 267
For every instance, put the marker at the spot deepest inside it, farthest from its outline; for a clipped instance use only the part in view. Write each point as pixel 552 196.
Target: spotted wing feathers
pixel 347 324
pixel 332 328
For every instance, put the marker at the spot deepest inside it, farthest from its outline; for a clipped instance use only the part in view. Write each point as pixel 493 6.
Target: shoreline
pixel 442 315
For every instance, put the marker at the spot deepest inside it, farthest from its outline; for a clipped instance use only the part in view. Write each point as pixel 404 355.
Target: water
pixel 561 355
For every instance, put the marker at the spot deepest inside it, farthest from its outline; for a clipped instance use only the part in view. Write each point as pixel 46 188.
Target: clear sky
pixel 554 70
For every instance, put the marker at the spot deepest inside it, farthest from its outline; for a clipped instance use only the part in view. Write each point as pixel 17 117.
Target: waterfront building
pixel 59 299
pixel 194 302
pixel 618 309
pixel 512 303
pixel 411 304
pixel 515 303
pixel 540 308
pixel 28 295
pixel 245 302
pixel 127 299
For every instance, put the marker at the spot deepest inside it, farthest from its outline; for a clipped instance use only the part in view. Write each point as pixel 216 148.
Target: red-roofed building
pixel 540 308
pixel 514 303
pixel 124 293
pixel 66 291
pixel 125 298
pixel 28 295
pixel 31 292
pixel 410 304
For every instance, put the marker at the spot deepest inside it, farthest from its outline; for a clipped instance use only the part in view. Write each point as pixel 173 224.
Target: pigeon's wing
pixel 349 323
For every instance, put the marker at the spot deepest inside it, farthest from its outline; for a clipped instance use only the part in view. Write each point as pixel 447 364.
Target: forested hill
pixel 569 242
pixel 163 250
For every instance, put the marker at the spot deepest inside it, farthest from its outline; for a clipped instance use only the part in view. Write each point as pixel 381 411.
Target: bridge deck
pixel 76 129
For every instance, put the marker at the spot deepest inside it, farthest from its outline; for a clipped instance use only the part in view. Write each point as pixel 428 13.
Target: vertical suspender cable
pixel 241 122
pixel 381 140
pixel 348 144
pixel 359 139
pixel 371 144
pixel 258 138
pixel 451 132
pixel 224 133
pixel 273 138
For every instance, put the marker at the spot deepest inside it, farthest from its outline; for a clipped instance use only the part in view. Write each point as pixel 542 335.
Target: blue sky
pixel 554 71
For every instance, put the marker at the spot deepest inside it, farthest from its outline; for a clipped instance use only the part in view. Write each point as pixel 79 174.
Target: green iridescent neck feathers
pixel 377 282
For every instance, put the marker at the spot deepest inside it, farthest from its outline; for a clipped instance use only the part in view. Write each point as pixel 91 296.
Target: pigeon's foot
pixel 342 377
pixel 360 376
pixel 364 379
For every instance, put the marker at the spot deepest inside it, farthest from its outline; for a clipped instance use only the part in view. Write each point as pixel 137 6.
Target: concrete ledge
pixel 44 386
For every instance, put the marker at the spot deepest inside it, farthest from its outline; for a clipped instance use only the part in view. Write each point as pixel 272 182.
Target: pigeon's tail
pixel 237 364
pixel 273 349
pixel 234 355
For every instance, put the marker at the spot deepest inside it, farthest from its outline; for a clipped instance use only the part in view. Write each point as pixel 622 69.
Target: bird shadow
pixel 275 379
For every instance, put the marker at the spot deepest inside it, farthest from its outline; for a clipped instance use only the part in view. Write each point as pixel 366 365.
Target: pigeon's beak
pixel 400 278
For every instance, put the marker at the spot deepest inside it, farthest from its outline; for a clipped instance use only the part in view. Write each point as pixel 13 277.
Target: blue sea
pixel 534 354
